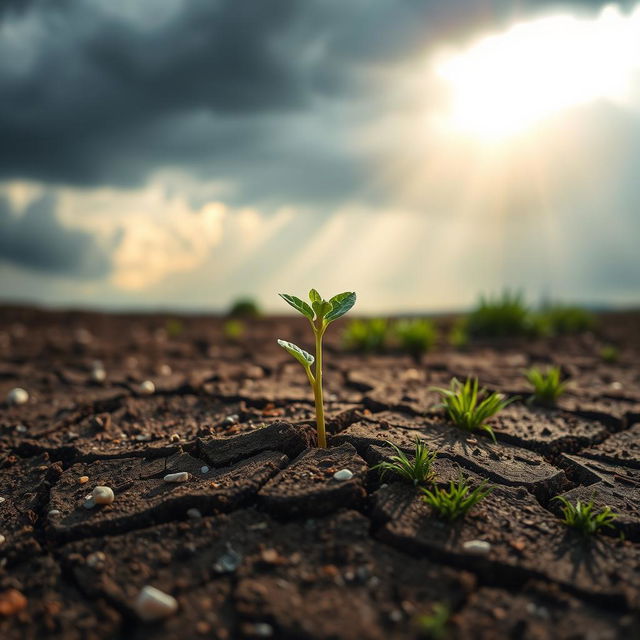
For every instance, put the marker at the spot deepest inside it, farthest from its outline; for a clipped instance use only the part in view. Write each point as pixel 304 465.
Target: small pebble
pixel 232 419
pixel 54 512
pixel 96 558
pixel 204 469
pixel 2 499
pixel 343 474
pixel 103 495
pixel 165 370
pixel 12 601
pixel 83 479
pixel 228 562
pixel 194 514
pixel 153 604
pixel 174 438
pixel 98 374
pixel 17 396
pixel 181 476
pixel 2 539
pixel 21 428
pixel 147 388
pixel 259 630
pixel 479 547
pixel 89 503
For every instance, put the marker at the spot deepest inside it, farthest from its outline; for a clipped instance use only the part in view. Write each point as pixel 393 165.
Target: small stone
pixel 98 374
pixel 165 370
pixel 194 514
pixel 153 604
pixel 11 602
pixel 174 438
pixel 228 562
pixel 2 539
pixel 54 513
pixel 83 479
pixel 232 419
pixel 343 474
pixel 97 558
pixel 103 495
pixel 147 388
pixel 395 615
pixel 21 428
pixel 478 547
pixel 258 630
pixel 181 476
pixel 204 469
pixel 17 396
pixel 2 499
pixel 89 503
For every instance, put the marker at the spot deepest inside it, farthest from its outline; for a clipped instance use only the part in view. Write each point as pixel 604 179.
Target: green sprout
pixel 503 316
pixel 416 336
pixel 435 624
pixel 417 471
pixel 459 334
pixel 234 330
pixel 456 501
pixel 320 314
pixel 582 516
pixel 547 386
pixel 465 408
pixel 366 335
pixel 610 354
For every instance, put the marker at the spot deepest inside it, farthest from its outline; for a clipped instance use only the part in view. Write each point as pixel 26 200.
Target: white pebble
pixel 147 388
pixel 153 604
pixel 343 474
pixel 2 539
pixel 17 396
pixel 261 630
pixel 98 374
pixel 194 514
pixel 21 428
pixel 479 547
pixel 2 499
pixel 54 512
pixel 103 495
pixel 181 476
pixel 204 469
pixel 96 558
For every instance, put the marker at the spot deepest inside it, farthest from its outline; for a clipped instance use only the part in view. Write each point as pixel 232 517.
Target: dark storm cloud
pixel 36 240
pixel 107 91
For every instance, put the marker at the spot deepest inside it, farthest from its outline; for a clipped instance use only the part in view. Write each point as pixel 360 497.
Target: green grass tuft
pixel 416 336
pixel 366 335
pixel 456 501
pixel 584 518
pixel 469 408
pixel 547 385
pixel 503 316
pixel 416 471
pixel 610 354
pixel 434 625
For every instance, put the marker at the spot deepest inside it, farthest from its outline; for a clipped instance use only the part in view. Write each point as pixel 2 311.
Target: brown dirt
pixel 262 541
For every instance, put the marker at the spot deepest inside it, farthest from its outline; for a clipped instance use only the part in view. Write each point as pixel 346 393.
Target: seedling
pixel 583 517
pixel 320 314
pixel 456 501
pixel 417 471
pixel 416 336
pixel 610 354
pixel 500 317
pixel 459 334
pixel 434 625
pixel 234 330
pixel 366 336
pixel 465 409
pixel 547 386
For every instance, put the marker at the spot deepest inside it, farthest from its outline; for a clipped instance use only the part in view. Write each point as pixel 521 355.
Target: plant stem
pixel 317 390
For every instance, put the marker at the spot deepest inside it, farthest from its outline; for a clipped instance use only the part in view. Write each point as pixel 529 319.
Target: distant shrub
pixel 415 336
pixel 499 317
pixel 244 308
pixel 560 320
pixel 366 335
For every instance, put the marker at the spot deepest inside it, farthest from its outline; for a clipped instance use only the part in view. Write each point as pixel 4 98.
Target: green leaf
pixel 299 305
pixel 340 305
pixel 314 296
pixel 321 308
pixel 304 358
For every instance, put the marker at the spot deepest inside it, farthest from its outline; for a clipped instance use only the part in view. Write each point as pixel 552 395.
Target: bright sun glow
pixel 505 83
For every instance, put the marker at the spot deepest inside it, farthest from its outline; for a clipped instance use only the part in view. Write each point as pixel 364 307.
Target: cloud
pixel 36 240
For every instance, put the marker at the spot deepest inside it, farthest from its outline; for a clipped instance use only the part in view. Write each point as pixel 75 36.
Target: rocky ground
pixel 262 540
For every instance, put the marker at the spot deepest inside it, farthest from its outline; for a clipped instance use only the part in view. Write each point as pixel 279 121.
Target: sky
pixel 179 154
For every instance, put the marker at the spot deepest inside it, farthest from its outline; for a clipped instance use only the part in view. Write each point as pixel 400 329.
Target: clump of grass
pixel 459 335
pixel 456 501
pixel 469 408
pixel 244 308
pixel 234 330
pixel 584 518
pixel 547 385
pixel 434 625
pixel 610 354
pixel 320 314
pixel 565 320
pixel 366 335
pixel 502 316
pixel 416 336
pixel 416 471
